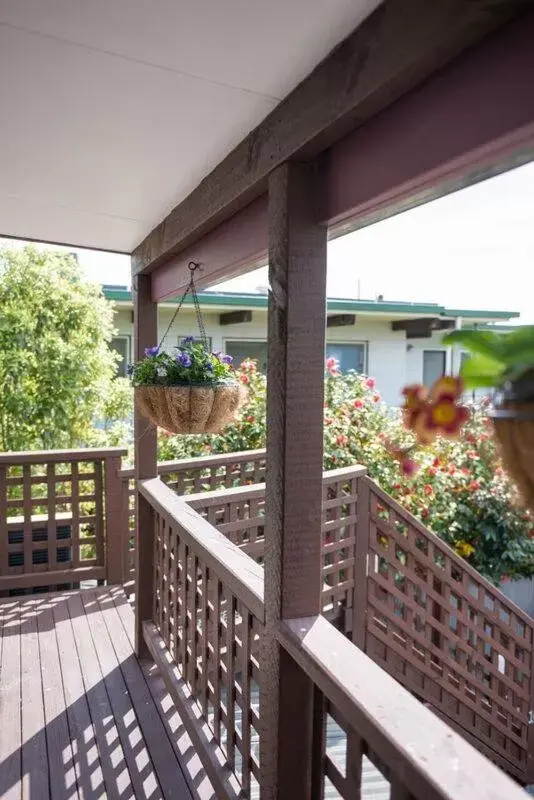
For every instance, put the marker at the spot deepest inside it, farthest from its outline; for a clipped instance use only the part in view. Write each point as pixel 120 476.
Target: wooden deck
pixel 80 716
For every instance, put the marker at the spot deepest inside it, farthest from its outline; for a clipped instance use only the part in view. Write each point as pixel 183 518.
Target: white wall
pixel 388 359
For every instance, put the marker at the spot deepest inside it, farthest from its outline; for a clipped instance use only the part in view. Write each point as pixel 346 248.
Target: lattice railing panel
pixel 445 632
pixel 189 476
pixel 240 515
pixel 213 638
pixel 51 519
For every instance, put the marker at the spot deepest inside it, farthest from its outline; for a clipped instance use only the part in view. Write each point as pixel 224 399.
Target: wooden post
pixel 114 521
pixel 145 335
pixel 361 554
pixel 295 385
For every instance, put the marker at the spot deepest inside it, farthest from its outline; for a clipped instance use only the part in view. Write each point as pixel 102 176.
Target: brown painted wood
pixel 34 750
pixel 408 739
pixel 394 50
pixel 293 509
pixel 117 779
pixel 361 549
pixel 88 770
pixel 170 776
pixel 145 435
pixel 224 783
pixel 10 730
pixel 60 456
pixel 59 744
pixel 444 135
pixel 114 522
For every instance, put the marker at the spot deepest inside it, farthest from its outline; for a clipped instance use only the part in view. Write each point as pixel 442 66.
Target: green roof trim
pixel 123 294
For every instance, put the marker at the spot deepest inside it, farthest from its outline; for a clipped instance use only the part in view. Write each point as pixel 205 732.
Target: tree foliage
pixel 56 366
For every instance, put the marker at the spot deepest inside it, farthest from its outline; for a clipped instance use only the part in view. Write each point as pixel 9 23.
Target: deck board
pixel 78 716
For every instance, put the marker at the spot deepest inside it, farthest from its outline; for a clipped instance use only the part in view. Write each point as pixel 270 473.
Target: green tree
pixel 56 366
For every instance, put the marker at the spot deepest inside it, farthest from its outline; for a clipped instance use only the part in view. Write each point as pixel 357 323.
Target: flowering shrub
pixel 189 364
pixel 459 490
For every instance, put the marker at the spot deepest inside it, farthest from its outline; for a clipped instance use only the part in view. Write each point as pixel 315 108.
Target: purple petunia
pixel 184 359
pixel 188 340
pixel 226 359
pixel 129 369
pixel 150 352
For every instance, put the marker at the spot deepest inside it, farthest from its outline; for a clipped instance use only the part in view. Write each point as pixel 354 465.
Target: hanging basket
pixel 191 408
pixel 513 424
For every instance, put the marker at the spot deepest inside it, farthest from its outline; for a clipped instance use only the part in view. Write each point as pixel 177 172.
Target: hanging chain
pixel 190 289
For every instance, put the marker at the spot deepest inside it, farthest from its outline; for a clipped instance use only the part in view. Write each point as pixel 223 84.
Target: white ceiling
pixel 112 111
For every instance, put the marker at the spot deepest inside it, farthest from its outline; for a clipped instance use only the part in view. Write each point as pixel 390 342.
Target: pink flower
pixel 473 486
pixel 370 383
pixel 332 365
pixel 427 489
pixel 376 398
pixel 358 404
pixel 342 439
pixel 408 466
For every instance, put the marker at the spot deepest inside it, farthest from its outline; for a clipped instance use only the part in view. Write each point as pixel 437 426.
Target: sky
pixel 471 249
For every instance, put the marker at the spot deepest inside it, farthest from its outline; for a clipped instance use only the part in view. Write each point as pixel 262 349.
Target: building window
pixel 433 366
pixel 196 340
pixel 243 350
pixel 350 356
pixel 121 345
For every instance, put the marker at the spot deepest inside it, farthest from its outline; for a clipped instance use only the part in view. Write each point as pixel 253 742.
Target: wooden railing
pixel 208 620
pixel 240 515
pixel 60 518
pixel 185 477
pixel 447 634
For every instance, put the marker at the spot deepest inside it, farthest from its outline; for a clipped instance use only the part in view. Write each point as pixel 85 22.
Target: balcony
pixel 409 634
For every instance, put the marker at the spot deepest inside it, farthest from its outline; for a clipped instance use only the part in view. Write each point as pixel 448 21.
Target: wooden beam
pixel 340 320
pixel 293 507
pixel 239 243
pixel 396 48
pixel 146 466
pixel 473 119
pixel 235 317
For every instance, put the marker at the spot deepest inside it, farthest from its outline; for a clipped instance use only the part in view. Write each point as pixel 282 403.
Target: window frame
pixel 433 350
pixel 128 359
pixel 354 343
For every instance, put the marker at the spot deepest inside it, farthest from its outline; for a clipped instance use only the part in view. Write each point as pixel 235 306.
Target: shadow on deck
pixel 80 715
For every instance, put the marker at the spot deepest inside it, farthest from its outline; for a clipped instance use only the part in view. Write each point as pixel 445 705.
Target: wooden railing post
pixel 114 520
pixel 145 434
pixel 295 386
pixel 361 556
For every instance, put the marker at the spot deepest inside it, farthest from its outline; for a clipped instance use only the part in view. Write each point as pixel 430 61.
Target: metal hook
pixel 193 265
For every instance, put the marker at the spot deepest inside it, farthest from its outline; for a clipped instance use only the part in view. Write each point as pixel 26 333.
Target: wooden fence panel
pixel 53 530
pixel 447 634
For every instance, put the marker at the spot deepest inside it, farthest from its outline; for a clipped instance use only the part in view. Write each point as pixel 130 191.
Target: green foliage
pixel 460 492
pixel 189 364
pixel 55 361
pixel 495 357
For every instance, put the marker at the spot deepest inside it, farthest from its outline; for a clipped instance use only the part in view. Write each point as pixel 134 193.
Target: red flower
pixel 436 462
pixel 358 404
pixel 473 486
pixel 432 471
pixel 342 439
pixel 244 379
pixel 466 471
pixel 427 489
pixel 370 383
pixel 250 418
pixel 425 513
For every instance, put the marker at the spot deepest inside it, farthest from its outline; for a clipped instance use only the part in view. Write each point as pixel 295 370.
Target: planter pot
pixel 513 424
pixel 192 408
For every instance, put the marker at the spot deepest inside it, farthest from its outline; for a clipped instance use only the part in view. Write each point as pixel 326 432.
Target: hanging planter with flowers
pixel 190 390
pixel 505 362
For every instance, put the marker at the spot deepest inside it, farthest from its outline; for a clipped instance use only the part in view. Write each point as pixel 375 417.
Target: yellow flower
pixel 464 549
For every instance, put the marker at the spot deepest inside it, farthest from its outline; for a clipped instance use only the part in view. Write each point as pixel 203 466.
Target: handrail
pixel 240 573
pixel 59 456
pixel 199 463
pixel 423 753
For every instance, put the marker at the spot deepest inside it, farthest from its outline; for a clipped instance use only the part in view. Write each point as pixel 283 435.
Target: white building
pixel 396 343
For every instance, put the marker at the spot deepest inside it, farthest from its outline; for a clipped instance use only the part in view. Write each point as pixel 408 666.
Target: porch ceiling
pixel 113 112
